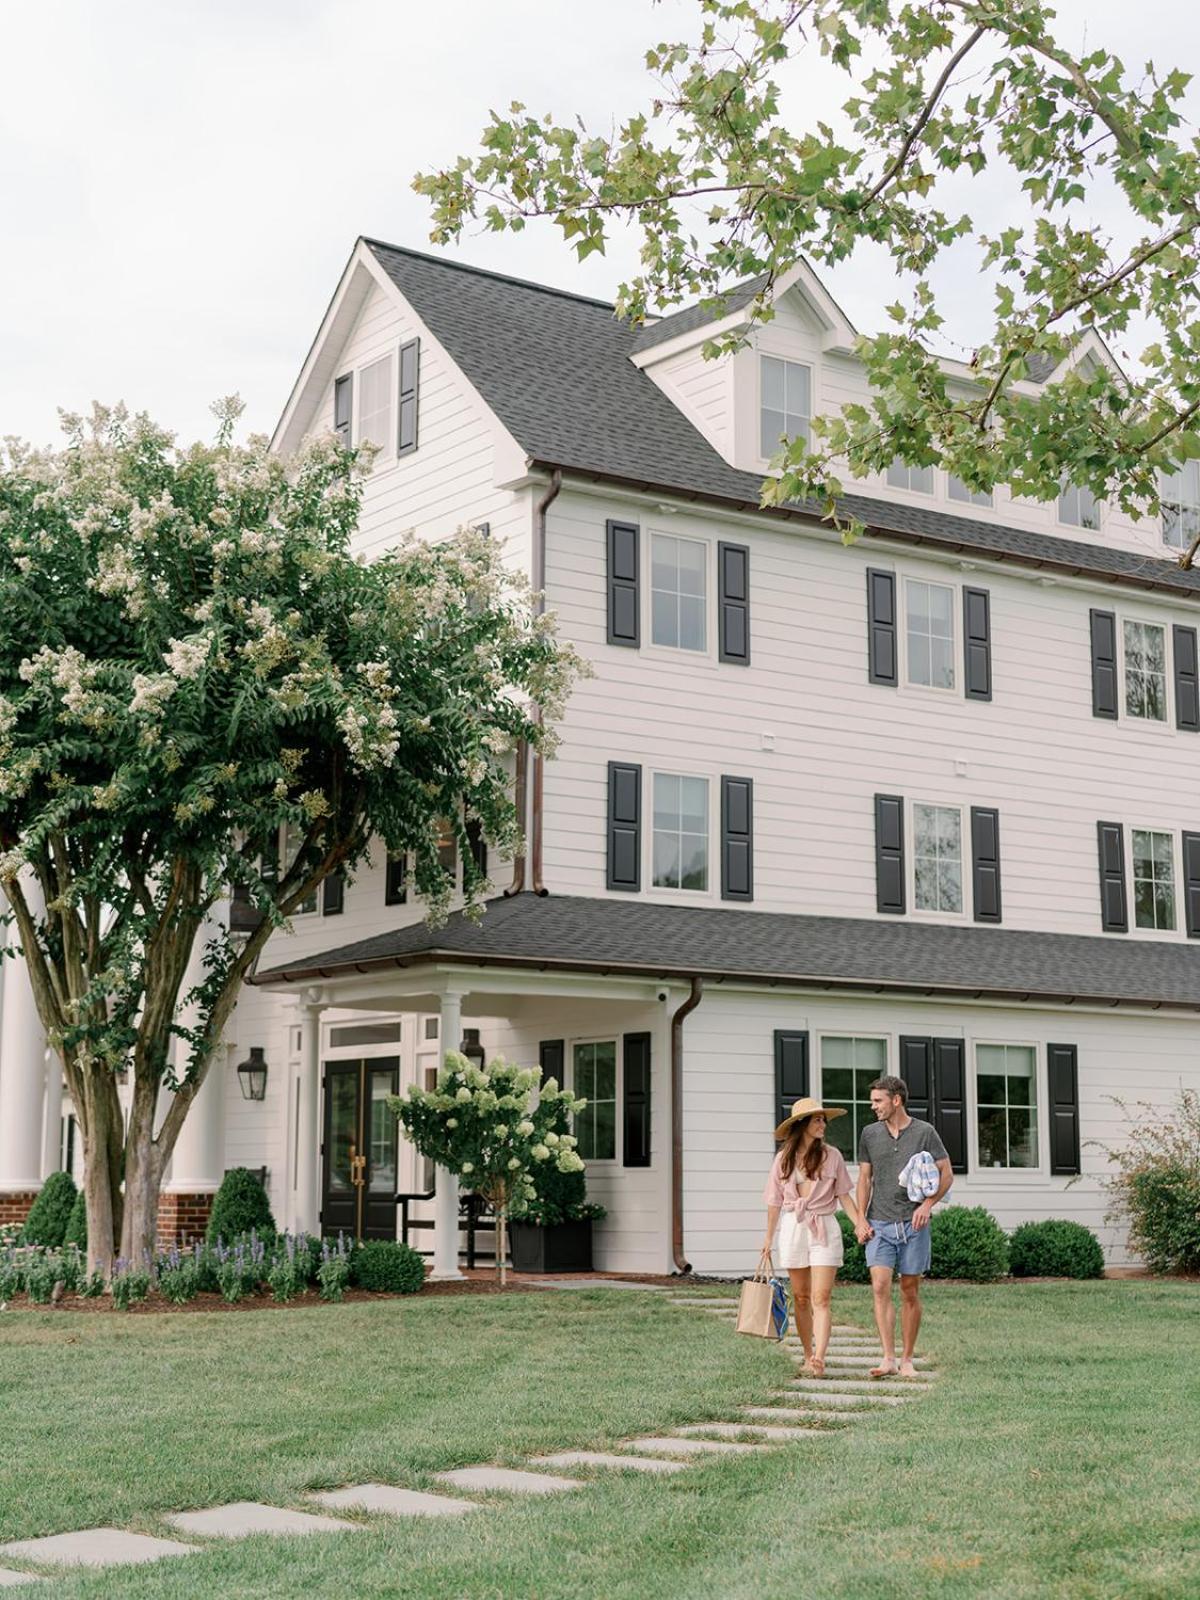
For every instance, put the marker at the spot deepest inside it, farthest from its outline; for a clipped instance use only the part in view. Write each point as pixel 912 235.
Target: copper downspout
pixel 682 1264
pixel 539 584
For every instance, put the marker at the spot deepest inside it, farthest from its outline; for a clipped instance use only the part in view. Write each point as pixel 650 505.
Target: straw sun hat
pixel 808 1108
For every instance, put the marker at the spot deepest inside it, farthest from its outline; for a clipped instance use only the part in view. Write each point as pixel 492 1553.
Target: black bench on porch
pixel 475 1215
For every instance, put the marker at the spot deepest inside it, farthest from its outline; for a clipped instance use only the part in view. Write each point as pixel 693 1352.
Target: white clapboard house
pixel 926 805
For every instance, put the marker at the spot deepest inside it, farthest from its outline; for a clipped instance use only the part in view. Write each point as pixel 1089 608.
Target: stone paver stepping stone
pixel 828 1397
pixel 10 1579
pixel 841 1385
pixel 733 1430
pixel 507 1479
pixel 789 1413
pixel 96 1547
pixel 396 1502
pixel 241 1518
pixel 598 1458
pixel 689 1447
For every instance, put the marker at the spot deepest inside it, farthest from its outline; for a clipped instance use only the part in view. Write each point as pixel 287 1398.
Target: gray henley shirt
pixel 888 1158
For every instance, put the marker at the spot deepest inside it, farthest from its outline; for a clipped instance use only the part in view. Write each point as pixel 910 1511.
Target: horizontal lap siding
pixel 1035 751
pixel 703 391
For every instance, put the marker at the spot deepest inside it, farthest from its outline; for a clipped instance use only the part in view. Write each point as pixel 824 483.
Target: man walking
pixel 894 1221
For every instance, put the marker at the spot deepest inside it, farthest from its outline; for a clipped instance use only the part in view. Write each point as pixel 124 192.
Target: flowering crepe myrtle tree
pixel 191 661
pixel 494 1127
pixel 721 186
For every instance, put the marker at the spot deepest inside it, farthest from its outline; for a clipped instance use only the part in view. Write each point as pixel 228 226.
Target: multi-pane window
pixel 937 858
pixel 1153 879
pixel 848 1069
pixel 1006 1105
pixel 678 592
pixel 901 476
pixel 375 386
pixel 1077 507
pixel 929 609
pixel 786 402
pixel 293 838
pixel 1180 494
pixel 958 490
pixel 680 832
pixel 596 1082
pixel 1145 670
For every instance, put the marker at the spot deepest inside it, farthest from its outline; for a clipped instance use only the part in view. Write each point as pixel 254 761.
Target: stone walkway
pixel 806 1410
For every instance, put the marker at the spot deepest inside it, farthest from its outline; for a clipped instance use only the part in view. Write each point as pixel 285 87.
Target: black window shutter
pixel 977 643
pixel 985 863
pixel 915 1069
pixel 244 915
pixel 737 839
pixel 791 1071
pixel 333 894
pixel 889 854
pixel 1187 680
pixel 624 620
pixel 406 418
pixel 1191 884
pixel 477 845
pixel 396 883
pixel 624 826
pixel 343 408
pixel 1114 910
pixel 1104 664
pixel 950 1098
pixel 733 600
pixel 881 627
pixel 1062 1061
pixel 636 1056
pixel 552 1058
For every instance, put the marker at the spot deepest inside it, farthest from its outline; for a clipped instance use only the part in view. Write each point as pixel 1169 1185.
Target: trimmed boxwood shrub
pixel 51 1211
pixel 1055 1249
pixel 387 1267
pixel 968 1242
pixel 76 1233
pixel 240 1206
pixel 854 1268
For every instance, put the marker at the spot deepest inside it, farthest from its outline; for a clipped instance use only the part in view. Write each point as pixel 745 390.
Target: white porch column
pixel 22 1068
pixel 445 1204
pixel 53 1115
pixel 306 1178
pixel 198 1159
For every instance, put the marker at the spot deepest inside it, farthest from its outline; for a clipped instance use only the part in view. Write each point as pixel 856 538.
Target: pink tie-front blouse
pixel 830 1184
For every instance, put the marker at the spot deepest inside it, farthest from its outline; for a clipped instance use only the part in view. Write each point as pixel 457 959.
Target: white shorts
pixel 794 1246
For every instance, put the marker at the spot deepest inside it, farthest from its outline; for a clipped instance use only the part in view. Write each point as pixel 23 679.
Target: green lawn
pixel 1056 1457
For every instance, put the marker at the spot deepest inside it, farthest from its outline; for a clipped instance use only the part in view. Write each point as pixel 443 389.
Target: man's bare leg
pixel 802 1306
pixel 885 1319
pixel 910 1321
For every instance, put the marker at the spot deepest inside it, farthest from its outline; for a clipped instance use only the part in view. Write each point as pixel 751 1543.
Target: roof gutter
pixel 539 601
pixel 682 1264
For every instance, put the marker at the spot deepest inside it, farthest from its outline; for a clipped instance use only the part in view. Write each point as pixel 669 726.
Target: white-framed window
pixel 376 387
pixel 1078 507
pixel 917 479
pixel 680 832
pixel 956 489
pixel 594 1079
pixel 1145 647
pixel 1153 853
pixel 1180 495
pixel 678 592
pixel 937 859
pixel 1006 1105
pixel 785 402
pixel 292 839
pixel 849 1066
pixel 929 633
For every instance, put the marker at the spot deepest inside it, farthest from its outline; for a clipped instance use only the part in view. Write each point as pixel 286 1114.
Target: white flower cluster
pixel 151 691
pixel 186 657
pixel 372 740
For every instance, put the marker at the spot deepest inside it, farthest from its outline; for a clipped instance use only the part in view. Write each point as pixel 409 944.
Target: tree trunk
pixel 100 1121
pixel 502 1244
pixel 144 1166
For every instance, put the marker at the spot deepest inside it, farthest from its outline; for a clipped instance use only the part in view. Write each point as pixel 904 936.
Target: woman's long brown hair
pixel 814 1156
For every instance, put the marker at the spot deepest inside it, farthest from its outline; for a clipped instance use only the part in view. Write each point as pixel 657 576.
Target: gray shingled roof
pixel 576 933
pixel 555 369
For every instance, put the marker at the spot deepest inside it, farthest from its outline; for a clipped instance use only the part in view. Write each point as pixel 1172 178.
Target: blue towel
pixel 779 1307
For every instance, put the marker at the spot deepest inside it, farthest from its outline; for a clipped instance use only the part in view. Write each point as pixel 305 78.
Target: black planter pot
pixel 565 1247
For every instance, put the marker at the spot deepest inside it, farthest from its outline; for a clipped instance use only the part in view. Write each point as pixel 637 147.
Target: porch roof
pixel 575 933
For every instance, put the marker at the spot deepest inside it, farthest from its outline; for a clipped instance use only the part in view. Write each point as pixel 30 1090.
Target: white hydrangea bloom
pixel 463 1096
pixel 541 1152
pixel 525 1129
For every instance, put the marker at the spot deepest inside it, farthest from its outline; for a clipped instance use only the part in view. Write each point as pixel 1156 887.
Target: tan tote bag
pixel 762 1308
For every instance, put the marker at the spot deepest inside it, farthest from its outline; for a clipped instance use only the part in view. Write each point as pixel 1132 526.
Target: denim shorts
pixel 900 1246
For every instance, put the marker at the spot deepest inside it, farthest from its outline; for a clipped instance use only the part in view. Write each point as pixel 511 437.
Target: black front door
pixel 358 1194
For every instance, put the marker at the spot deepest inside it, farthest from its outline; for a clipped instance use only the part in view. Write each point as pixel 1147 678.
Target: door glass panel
pixel 385 1130
pixel 343 1130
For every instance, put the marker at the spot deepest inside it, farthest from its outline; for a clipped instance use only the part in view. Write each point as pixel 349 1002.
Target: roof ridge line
pixel 500 277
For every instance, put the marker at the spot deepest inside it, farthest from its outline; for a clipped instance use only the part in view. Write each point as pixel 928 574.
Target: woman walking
pixel 807 1180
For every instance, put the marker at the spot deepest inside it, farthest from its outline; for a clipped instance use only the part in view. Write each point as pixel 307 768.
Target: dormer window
pixel 1180 494
pixel 375 389
pixel 958 490
pixel 785 402
pixel 917 479
pixel 1077 507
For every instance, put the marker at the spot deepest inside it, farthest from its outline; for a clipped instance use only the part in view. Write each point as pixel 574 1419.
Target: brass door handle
pixel 357 1168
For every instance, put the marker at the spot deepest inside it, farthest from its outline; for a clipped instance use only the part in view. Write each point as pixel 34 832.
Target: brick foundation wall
pixel 182 1219
pixel 16 1207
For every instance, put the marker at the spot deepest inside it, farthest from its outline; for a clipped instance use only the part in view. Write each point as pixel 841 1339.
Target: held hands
pixel 863 1231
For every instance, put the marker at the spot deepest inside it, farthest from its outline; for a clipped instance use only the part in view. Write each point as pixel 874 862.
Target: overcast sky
pixel 181 181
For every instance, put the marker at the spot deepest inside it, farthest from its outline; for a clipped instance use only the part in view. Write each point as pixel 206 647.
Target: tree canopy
pixel 723 185
pixel 193 667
